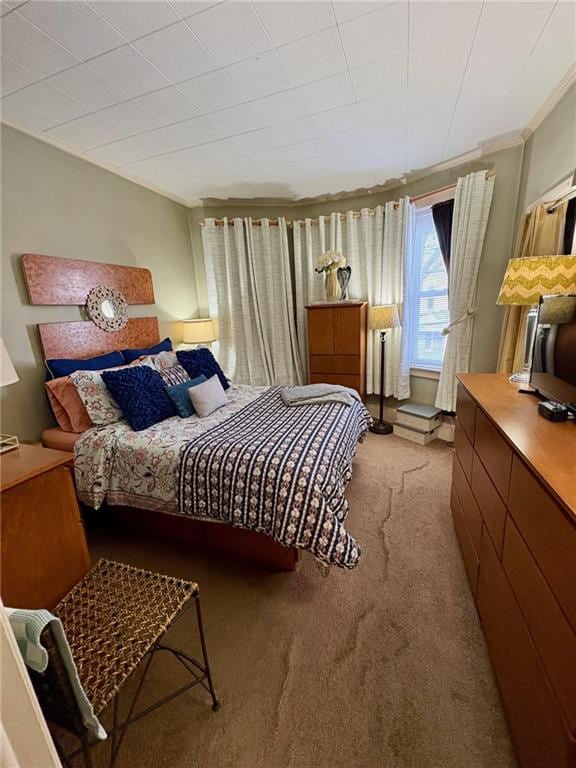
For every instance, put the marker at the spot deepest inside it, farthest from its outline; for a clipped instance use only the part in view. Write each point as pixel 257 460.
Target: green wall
pixel 56 204
pixel 550 152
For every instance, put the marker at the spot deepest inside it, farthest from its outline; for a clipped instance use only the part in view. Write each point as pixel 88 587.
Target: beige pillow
pixel 208 396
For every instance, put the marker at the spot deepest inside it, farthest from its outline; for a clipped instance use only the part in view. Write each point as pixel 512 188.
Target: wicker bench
pixel 114 619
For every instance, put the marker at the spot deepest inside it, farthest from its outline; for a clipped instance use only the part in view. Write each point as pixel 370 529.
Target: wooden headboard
pixel 84 339
pixel 52 280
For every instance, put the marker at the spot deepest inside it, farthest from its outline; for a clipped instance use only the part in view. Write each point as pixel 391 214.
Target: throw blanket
pixel 281 471
pixel 27 626
pixel 318 394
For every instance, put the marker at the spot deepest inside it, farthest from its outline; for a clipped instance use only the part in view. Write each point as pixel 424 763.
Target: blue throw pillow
pixel 179 396
pixel 140 394
pixel 58 367
pixel 133 354
pixel 199 362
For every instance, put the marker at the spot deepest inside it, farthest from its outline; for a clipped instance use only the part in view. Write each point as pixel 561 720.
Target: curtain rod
pixel 357 214
pixel 563 199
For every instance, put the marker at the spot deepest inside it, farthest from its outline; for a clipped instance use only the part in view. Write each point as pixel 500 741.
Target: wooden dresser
pixel 337 343
pixel 514 508
pixel 44 550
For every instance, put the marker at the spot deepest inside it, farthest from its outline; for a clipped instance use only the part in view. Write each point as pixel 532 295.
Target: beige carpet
pixel 384 666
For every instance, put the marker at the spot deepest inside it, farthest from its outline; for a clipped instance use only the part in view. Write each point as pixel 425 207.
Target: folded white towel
pixel 27 626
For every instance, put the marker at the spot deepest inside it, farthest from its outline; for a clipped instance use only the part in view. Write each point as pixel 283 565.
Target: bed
pixel 255 464
pixel 255 467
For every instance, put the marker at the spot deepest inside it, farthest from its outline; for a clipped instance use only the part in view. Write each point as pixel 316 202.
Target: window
pixel 429 300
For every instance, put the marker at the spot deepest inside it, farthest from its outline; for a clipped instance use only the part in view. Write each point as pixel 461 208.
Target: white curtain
pixel 375 243
pixel 396 289
pixel 250 291
pixel 312 237
pixel 471 209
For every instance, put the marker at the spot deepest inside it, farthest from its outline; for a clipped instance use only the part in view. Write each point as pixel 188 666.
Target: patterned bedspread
pixel 255 463
pixel 116 465
pixel 279 470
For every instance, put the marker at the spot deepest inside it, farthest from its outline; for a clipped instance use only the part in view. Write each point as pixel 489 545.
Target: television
pixel 553 372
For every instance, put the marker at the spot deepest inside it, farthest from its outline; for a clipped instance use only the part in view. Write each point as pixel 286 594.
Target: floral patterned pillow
pixel 100 405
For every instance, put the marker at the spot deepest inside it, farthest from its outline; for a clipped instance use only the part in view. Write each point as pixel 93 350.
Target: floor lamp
pixel 382 318
pixel 525 281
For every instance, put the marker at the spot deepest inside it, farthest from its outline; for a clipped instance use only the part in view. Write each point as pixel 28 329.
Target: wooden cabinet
pixel 44 551
pixel 514 510
pixel 337 343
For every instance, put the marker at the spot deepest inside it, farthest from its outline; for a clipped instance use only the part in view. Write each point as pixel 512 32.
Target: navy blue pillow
pixel 133 354
pixel 178 393
pixel 199 362
pixel 140 394
pixel 58 367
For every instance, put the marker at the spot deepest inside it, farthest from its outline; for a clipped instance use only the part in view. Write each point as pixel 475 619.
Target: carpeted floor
pixel 381 667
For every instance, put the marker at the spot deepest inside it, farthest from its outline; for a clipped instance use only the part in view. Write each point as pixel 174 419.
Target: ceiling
pixel 278 99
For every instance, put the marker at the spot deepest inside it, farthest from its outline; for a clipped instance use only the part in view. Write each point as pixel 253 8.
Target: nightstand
pixel 44 551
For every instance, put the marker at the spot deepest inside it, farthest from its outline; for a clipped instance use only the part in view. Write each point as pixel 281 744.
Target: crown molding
pixel 104 166
pixel 499 143
pixel 551 102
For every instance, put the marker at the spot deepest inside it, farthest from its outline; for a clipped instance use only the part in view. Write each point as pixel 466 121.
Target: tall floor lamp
pixel 525 281
pixel 382 318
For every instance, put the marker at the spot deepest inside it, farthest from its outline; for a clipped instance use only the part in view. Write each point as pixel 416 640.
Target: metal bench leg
pixel 215 702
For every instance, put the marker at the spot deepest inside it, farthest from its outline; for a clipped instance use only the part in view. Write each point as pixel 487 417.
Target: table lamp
pixel 525 281
pixel 7 376
pixel 382 318
pixel 201 331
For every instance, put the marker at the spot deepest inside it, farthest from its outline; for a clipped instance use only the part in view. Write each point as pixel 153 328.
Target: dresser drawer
pixel 335 364
pixel 349 327
pixel 43 546
pixel 469 506
pixel 466 412
pixel 495 453
pixel 464 449
pixel 549 534
pixel 348 380
pixel 469 554
pixel 490 504
pixel 552 634
pixel 320 331
pixel 538 730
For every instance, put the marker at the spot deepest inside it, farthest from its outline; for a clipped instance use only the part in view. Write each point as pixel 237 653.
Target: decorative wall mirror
pixel 107 308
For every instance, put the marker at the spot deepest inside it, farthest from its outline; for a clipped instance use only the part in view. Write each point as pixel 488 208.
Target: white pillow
pixel 208 396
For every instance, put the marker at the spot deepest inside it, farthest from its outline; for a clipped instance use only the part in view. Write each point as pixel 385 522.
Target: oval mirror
pixel 108 308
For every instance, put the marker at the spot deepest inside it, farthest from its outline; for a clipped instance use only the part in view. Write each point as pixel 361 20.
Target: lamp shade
pixel 201 331
pixel 556 310
pixel 529 278
pixel 383 316
pixel 7 373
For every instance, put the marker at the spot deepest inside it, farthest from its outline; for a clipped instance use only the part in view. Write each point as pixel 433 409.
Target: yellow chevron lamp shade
pixel 526 280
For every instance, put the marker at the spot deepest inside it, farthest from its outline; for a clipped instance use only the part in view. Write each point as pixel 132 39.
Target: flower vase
pixel 332 286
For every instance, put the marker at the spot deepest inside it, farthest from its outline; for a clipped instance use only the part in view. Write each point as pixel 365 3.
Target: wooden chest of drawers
pixel 337 343
pixel 514 507
pixel 44 551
